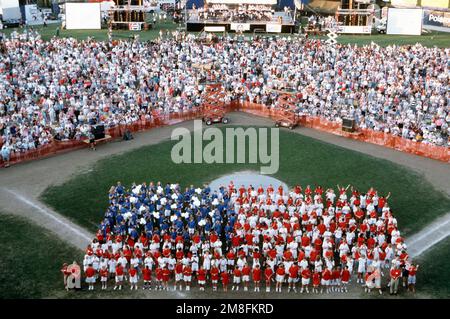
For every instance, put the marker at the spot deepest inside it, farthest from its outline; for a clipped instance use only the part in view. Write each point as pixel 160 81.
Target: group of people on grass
pixel 312 239
pixel 57 89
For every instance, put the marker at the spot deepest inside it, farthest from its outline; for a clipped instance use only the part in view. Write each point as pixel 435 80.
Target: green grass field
pixel 439 39
pixel 433 277
pixel 303 160
pixel 31 259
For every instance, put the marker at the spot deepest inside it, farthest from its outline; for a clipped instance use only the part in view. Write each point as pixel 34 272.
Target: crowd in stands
pixel 322 22
pixel 242 13
pixel 313 239
pixel 58 88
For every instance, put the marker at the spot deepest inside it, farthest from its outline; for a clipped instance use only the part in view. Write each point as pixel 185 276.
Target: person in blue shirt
pixel 218 227
pixel 208 226
pixel 119 188
pixel 134 234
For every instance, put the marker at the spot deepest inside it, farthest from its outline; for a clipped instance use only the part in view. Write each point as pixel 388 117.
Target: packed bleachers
pixel 55 90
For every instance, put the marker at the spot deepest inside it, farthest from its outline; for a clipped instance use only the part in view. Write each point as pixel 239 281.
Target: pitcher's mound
pixel 247 178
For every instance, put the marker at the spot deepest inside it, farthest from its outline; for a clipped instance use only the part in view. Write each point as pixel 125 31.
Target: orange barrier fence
pixel 157 120
pixel 440 153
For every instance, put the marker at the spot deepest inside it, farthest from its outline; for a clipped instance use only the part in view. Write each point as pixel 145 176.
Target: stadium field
pixel 40 277
pixel 434 276
pixel 34 273
pixel 430 39
pixel 190 243
pixel 303 160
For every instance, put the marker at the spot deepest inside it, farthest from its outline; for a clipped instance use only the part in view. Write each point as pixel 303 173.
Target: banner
pixel 215 29
pixel 134 26
pixel 444 4
pixel 404 21
pixel 83 16
pixel 270 27
pixel 360 29
pixel 404 3
pixel 436 20
pixel 33 15
pixel 240 26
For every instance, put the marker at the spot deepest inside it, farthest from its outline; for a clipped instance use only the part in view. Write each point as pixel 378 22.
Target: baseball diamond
pixel 234 149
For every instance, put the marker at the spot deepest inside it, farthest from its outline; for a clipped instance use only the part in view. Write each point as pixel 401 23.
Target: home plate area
pixel 247 232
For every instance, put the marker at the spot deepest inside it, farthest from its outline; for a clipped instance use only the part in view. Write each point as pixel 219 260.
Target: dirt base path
pixel 22 184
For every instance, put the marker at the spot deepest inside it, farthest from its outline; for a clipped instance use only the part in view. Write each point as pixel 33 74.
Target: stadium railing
pixel 158 119
pixel 440 153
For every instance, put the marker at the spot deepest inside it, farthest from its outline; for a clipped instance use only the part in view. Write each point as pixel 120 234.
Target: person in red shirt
pixel 246 270
pixel 225 280
pixel 133 278
pixel 187 276
pixel 236 278
pixel 201 278
pixel 316 282
pixel 280 277
pixel 345 278
pixel 325 282
pixel 158 272
pixel 231 256
pixel 214 277
pixel 412 271
pixel 336 280
pixel 165 278
pixel 147 276
pixel 395 276
pixel 256 275
pixel 268 274
pixel 90 276
pixel 119 276
pixel 104 277
pixel 178 275
pixel 306 278
pixel 293 274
